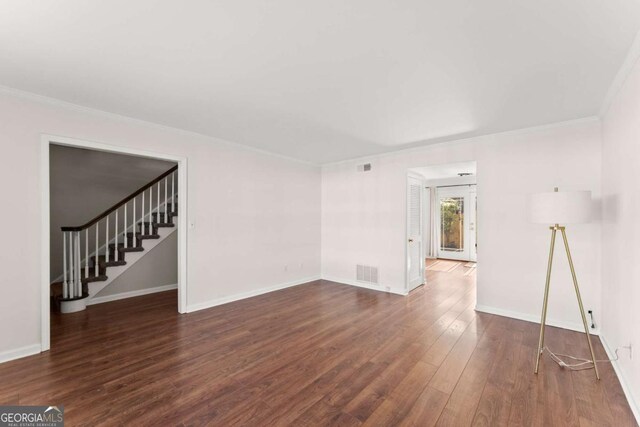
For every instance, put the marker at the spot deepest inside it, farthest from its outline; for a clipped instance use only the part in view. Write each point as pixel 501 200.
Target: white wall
pixel 363 217
pixel 254 213
pixel 157 269
pixel 621 229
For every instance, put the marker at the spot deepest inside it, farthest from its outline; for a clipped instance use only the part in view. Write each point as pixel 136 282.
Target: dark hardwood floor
pixel 316 354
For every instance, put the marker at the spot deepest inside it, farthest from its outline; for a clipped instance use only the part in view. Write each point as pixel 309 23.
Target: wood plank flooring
pixel 313 355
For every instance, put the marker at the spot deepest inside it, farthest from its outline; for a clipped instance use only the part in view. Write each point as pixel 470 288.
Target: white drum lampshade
pixel 561 207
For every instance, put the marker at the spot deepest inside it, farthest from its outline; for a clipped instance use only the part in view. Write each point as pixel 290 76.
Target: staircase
pixel 97 252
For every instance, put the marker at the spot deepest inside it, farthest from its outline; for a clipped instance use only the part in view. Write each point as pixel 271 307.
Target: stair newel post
pixel 77 265
pixel 165 201
pixel 95 259
pixel 86 252
pixel 65 285
pixel 72 292
pixel 106 239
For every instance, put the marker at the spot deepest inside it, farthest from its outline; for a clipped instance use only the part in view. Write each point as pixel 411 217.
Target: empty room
pixel 336 213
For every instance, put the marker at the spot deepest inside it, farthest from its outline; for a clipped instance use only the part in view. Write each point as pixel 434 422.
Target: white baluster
pixel 86 253
pixel 133 229
pixel 158 205
pixel 96 267
pixel 77 264
pixel 106 239
pixel 150 208
pixel 65 285
pixel 173 192
pixel 165 201
pixel 126 241
pixel 72 291
pixel 141 217
pixel 115 251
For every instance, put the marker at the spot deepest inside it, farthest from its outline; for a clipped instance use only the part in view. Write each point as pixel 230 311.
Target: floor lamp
pixel 555 208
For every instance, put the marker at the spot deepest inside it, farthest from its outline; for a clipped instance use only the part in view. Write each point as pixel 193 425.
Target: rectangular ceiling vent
pixel 365 167
pixel 366 273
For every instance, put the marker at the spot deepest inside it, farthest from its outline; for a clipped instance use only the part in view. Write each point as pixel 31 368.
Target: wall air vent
pixel 366 167
pixel 366 273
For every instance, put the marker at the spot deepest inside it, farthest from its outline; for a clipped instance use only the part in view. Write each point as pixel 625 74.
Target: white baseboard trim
pixel 633 403
pixel 236 297
pixel 130 294
pixel 379 288
pixel 17 353
pixel 535 319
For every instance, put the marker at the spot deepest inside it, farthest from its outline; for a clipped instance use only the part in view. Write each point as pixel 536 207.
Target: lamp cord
pixel 584 363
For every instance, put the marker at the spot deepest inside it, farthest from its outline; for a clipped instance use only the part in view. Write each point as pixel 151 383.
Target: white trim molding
pixel 535 319
pixel 42 99
pixel 630 60
pixel 243 295
pixel 624 383
pixel 379 288
pixel 131 294
pixel 456 141
pixel 18 353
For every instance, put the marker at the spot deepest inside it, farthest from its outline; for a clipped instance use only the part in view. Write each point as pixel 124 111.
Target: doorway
pixel 81 239
pixel 441 206
pixel 415 253
pixel 456 236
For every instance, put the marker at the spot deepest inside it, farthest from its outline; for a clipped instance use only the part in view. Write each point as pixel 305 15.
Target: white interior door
pixel 473 224
pixel 415 257
pixel 456 223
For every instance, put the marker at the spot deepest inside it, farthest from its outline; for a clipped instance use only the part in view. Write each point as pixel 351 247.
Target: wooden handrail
pixel 120 203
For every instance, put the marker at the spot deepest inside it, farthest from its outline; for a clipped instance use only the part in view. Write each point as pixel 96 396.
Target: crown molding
pixel 520 131
pixel 42 99
pixel 633 55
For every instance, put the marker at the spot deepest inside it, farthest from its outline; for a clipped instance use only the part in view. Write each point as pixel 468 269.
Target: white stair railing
pixel 79 264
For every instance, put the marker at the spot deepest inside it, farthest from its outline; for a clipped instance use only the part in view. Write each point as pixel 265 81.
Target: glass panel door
pixel 452 224
pixel 456 223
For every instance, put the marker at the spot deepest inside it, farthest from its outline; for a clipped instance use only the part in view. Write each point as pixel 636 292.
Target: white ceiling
pixel 322 80
pixel 449 170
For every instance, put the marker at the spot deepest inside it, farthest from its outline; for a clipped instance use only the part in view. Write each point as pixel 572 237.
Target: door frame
pixel 473 234
pixel 407 286
pixel 46 141
pixel 465 190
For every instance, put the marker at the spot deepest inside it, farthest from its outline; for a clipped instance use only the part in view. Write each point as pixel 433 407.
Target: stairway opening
pixel 114 228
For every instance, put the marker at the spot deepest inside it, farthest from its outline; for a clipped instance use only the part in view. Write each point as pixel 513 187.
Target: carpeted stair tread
pixel 144 236
pixel 129 248
pixel 169 214
pixel 91 279
pixel 155 224
pixel 112 262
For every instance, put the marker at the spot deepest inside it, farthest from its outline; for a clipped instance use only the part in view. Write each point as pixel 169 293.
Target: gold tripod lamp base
pixel 554 229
